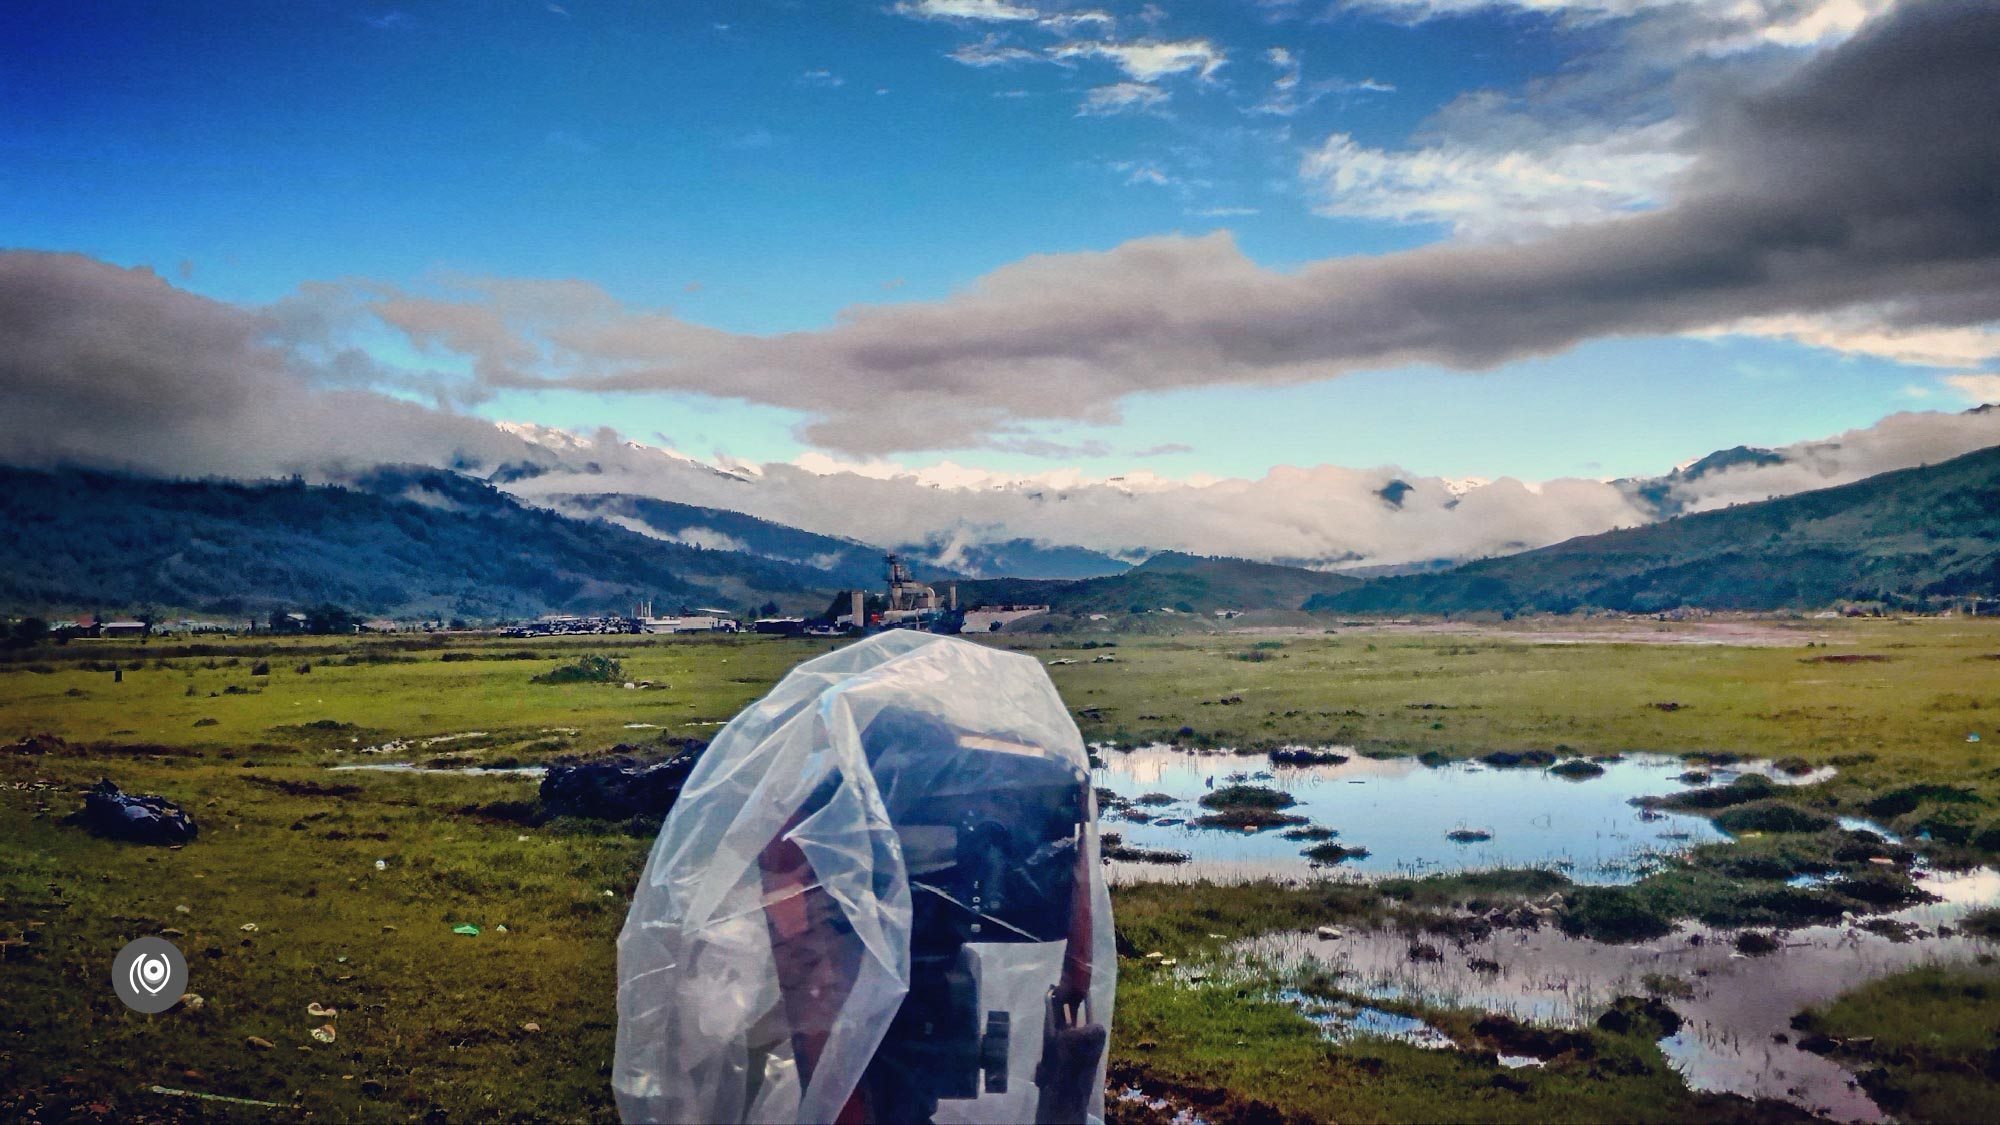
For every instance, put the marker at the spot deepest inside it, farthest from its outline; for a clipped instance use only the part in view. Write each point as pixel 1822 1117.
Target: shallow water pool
pixel 1403 812
pixel 1737 1037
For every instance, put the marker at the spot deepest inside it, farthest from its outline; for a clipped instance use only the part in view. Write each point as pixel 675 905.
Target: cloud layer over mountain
pixel 114 367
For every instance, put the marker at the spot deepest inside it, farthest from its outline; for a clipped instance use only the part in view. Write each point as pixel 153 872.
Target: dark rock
pixel 617 788
pixel 149 819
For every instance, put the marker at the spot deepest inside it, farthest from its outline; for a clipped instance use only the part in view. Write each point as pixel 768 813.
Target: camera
pixel 990 833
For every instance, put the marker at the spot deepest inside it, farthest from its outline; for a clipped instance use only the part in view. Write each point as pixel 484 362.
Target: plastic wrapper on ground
pixel 878 898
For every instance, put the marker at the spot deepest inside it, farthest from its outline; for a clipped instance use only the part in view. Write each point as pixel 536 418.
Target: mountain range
pixel 1172 581
pixel 414 542
pixel 395 541
pixel 1900 537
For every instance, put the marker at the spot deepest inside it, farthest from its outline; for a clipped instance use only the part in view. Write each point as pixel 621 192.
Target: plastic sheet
pixel 878 899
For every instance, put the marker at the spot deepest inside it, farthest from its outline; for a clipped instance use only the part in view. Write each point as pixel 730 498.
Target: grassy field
pixel 519 1023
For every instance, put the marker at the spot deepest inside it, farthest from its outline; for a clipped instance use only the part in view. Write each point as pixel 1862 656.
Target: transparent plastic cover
pixel 878 898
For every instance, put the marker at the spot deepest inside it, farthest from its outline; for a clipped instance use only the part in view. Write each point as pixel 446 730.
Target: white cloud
pixel 1487 191
pixel 1290 99
pixel 1687 27
pixel 1150 60
pixel 1837 187
pixel 117 368
pixel 1976 386
pixel 992 51
pixel 822 78
pixel 1223 212
pixel 1122 97
pixel 1140 172
pixel 1325 515
pixel 985 11
pixel 1070 21
pixel 1899 441
pixel 1288 66
pixel 1872 330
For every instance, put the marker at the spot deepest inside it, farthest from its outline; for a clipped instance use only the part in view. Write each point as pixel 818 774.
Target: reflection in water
pixel 1341 1021
pixel 1403 813
pixel 1737 1036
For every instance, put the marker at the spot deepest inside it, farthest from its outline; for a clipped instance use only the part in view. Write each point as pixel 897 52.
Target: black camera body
pixel 990 833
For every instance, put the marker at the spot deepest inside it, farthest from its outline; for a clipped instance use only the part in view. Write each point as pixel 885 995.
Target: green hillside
pixel 398 542
pixel 849 562
pixel 1907 538
pixel 1170 580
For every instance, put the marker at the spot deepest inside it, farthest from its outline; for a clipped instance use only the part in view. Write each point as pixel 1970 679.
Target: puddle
pixel 467 771
pixel 1736 1009
pixel 1406 814
pixel 1341 1021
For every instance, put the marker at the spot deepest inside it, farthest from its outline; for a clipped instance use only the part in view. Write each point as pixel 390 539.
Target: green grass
pixel 433 1021
pixel 1935 1049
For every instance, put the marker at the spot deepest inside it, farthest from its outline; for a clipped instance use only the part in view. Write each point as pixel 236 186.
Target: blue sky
pixel 759 167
